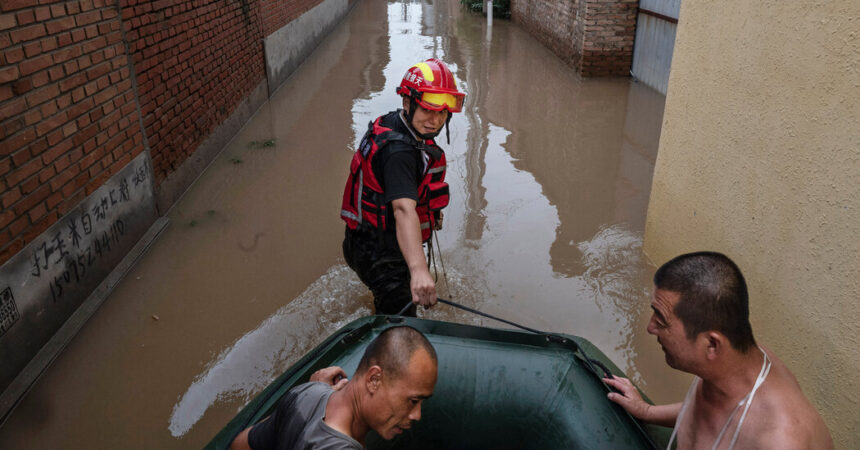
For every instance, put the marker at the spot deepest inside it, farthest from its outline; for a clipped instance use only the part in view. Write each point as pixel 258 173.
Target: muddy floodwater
pixel 550 176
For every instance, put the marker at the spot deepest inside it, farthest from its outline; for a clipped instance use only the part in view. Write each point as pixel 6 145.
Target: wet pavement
pixel 550 177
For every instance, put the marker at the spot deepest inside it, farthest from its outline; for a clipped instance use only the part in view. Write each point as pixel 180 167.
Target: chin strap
pixel 412 105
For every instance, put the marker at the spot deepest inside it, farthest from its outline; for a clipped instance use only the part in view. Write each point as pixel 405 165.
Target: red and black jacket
pixel 363 197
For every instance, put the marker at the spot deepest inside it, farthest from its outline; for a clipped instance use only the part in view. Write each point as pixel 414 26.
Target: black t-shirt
pixel 399 169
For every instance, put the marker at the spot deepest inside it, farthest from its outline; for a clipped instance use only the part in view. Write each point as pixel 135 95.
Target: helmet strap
pixel 447 129
pixel 413 104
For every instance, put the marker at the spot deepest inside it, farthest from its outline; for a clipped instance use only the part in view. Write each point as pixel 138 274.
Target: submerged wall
pixel 594 36
pixel 760 159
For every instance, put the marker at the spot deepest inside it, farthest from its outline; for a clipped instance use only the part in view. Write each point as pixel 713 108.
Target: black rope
pixel 480 313
pixel 435 237
pixel 404 308
pixel 589 362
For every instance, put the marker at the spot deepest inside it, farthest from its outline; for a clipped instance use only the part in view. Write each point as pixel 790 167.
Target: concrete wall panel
pixel 46 282
pixel 287 47
pixel 760 159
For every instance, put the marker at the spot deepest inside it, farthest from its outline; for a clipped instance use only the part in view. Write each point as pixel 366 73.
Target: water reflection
pixel 617 276
pixel 258 357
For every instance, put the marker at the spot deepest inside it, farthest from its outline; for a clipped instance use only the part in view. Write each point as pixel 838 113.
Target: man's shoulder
pixel 782 417
pixel 305 395
pixel 311 388
pixel 317 433
pixel 322 436
pixel 781 395
pixel 791 432
pixel 392 120
pixel 789 420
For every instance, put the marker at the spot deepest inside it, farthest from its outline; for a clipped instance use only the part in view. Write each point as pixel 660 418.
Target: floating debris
pixel 262 144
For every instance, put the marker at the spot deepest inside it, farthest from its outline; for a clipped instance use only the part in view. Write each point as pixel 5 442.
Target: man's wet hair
pixel 713 296
pixel 393 349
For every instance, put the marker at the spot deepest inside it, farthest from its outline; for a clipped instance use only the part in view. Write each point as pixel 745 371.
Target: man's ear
pixel 716 343
pixel 405 104
pixel 373 379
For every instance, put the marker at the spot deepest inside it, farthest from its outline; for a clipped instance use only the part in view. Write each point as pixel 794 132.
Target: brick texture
pixel 78 77
pixel 594 36
pixel 195 60
pixel 65 65
pixel 279 12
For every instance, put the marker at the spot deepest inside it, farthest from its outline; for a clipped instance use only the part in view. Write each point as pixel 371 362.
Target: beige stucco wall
pixel 760 158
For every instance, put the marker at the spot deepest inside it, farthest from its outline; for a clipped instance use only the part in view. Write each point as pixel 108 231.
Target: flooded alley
pixel 550 177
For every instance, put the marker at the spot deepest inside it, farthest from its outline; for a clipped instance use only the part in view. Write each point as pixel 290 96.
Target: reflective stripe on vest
pixel 358 194
pixel 350 215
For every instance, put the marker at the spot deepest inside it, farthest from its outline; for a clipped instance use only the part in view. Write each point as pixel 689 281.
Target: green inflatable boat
pixel 496 389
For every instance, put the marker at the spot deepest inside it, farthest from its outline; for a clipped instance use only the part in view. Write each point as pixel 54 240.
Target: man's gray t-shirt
pixel 297 423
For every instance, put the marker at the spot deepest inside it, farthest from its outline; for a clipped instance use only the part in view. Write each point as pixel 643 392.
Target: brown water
pixel 550 177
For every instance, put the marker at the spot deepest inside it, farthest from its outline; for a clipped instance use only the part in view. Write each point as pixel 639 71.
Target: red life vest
pixel 363 198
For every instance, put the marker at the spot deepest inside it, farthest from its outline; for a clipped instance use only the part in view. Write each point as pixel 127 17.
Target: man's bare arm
pixel 629 399
pixel 409 239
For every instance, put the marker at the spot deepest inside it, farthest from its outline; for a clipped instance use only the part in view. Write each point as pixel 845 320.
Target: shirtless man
pixel 743 396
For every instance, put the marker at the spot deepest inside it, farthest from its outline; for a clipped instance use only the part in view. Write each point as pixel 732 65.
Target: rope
pixel 404 308
pixel 480 313
pixel 441 262
pixel 589 362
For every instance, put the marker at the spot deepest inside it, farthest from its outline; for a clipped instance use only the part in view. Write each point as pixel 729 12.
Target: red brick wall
pixel 68 119
pixel 594 36
pixel 73 74
pixel 554 23
pixel 195 61
pixel 609 32
pixel 277 13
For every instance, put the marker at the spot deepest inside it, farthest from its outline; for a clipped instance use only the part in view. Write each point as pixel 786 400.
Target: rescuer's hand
pixel 423 288
pixel 439 221
pixel 409 239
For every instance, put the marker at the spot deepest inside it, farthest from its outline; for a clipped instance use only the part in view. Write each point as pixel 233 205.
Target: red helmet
pixel 432 85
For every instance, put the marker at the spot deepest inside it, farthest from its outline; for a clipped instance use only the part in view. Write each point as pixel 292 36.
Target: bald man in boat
pixel 743 396
pixel 395 375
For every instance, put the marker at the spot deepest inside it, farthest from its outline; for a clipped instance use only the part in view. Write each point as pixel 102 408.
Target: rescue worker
pixel 396 190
